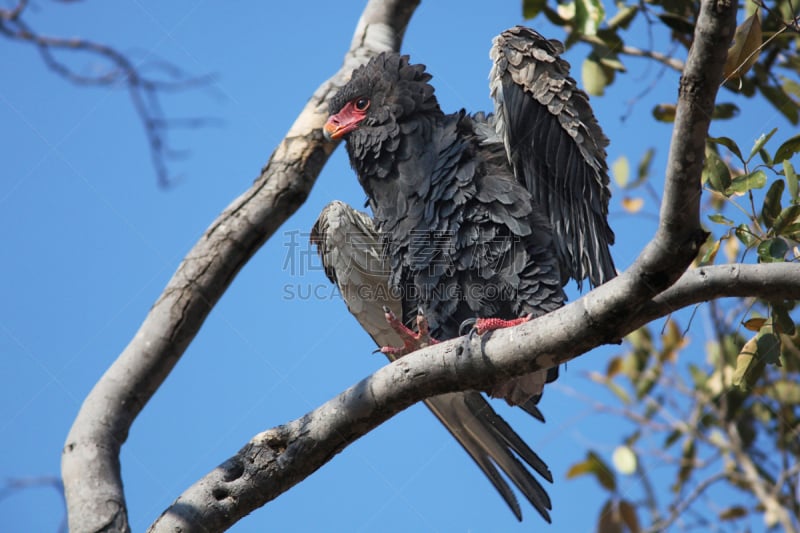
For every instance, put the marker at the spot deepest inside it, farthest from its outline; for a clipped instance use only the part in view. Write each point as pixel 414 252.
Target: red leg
pixel 482 325
pixel 411 341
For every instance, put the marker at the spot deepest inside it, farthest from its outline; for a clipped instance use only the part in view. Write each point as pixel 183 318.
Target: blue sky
pixel 90 241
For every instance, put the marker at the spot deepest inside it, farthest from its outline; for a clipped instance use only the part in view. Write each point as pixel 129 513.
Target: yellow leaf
pixel 566 11
pixel 624 460
pixel 731 250
pixel 621 171
pixel 632 204
pixel 614 366
pixel 755 324
pixel 744 52
pixel 746 360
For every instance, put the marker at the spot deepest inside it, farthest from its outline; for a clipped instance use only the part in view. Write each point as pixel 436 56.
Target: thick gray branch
pixel 273 461
pixel 90 461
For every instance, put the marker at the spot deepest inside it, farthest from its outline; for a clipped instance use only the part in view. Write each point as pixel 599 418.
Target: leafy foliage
pixel 723 414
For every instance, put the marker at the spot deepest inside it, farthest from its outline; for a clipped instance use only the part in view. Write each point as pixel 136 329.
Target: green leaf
pixel 780 101
pixel 791 179
pixel 664 112
pixel 786 217
pixel 792 231
pixel 699 377
pixel 589 14
pixel 745 235
pixel 619 392
pixel 687 463
pixel 725 111
pixel 746 363
pixel 769 348
pixel 672 438
pixel 715 172
pixel 643 169
pixel 790 86
pixel 744 51
pixel 531 8
pixel 594 465
pixel 595 77
pixel 772 250
pixel 621 171
pixel 612 61
pixel 781 320
pixel 741 184
pixel 728 143
pixel 765 157
pixel 623 17
pixel 772 203
pixel 788 149
pixel 720 219
pixel 608 39
pixel 760 142
pixel 710 255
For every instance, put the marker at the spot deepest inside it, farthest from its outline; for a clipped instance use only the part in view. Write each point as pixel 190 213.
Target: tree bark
pixel 275 460
pixel 90 460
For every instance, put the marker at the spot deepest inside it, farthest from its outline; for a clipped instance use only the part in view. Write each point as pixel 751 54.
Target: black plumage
pixel 481 216
pixel 353 257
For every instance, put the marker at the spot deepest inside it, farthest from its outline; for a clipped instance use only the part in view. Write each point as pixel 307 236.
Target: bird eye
pixel 362 104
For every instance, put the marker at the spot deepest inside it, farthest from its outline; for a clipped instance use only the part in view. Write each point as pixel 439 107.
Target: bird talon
pixel 412 341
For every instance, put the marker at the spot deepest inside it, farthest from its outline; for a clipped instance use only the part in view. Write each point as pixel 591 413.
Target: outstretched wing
pixel 351 253
pixel 556 148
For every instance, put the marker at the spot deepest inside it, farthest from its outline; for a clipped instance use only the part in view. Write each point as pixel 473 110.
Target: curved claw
pixel 411 341
pixel 467 326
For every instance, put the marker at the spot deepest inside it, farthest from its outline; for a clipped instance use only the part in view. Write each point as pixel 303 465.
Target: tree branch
pixel 90 461
pixel 275 460
pixel 671 62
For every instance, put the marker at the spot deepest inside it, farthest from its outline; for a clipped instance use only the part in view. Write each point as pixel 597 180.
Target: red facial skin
pixel 347 119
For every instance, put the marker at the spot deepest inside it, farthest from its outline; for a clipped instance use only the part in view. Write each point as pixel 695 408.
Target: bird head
pixel 379 95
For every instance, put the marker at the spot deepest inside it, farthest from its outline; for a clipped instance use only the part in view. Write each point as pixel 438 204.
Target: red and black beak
pixel 343 122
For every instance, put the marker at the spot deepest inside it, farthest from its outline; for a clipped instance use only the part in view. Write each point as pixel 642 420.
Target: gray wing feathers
pixel 353 259
pixel 556 148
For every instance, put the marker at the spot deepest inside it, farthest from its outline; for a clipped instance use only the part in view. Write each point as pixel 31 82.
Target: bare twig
pixel 758 485
pixel 685 502
pixel 14 485
pixel 122 71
